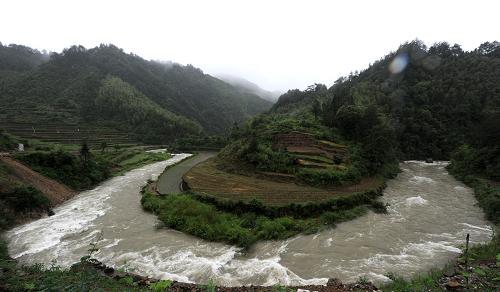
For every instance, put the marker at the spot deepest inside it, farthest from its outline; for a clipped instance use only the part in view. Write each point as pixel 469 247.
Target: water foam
pixel 418 200
pixel 421 179
pixel 193 260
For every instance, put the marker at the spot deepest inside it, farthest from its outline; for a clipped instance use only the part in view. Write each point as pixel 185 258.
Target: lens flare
pixel 399 63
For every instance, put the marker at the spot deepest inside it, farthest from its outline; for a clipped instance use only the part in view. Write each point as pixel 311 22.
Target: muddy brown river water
pixel 429 216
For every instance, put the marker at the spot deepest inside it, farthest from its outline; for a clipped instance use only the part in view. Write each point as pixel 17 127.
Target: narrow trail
pixel 170 180
pixel 55 191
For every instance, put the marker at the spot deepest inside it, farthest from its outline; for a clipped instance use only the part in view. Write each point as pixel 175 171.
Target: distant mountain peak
pixel 249 87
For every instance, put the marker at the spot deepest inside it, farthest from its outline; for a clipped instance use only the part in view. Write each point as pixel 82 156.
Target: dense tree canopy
pixel 156 101
pixel 414 103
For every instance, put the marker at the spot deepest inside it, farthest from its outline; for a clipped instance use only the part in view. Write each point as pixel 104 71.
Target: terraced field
pixel 59 125
pixel 68 134
pixel 205 178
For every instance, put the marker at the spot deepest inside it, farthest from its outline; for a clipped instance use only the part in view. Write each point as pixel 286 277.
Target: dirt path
pixel 55 191
pixel 170 180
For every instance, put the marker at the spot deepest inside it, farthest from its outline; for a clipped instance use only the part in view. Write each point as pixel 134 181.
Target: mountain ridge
pixel 65 87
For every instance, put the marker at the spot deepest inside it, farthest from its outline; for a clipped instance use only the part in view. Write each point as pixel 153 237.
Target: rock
pixel 429 160
pixel 302 290
pixel 453 284
pixel 50 212
pixel 333 282
pixel 108 271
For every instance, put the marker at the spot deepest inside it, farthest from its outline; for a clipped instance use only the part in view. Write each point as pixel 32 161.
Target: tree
pixel 317 108
pixel 104 145
pixel 85 152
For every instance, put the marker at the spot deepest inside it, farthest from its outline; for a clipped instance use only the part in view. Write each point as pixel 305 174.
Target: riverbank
pixel 244 222
pixel 477 268
pixel 17 277
pixel 420 196
pixel 91 275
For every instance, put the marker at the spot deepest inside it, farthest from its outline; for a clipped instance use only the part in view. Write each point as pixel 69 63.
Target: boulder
pixel 453 284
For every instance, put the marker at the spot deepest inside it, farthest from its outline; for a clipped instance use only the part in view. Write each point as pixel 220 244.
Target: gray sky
pixel 276 44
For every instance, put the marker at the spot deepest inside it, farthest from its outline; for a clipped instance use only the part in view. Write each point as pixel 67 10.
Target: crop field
pixel 205 178
pixel 68 134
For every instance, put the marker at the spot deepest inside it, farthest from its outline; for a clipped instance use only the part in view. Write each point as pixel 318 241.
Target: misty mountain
pixel 441 101
pixel 246 86
pixel 155 101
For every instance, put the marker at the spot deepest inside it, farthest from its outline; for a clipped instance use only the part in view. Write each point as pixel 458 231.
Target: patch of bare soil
pixel 55 191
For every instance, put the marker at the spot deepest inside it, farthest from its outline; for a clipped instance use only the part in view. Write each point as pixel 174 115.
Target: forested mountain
pixel 249 87
pixel 20 58
pixel 414 103
pixel 154 101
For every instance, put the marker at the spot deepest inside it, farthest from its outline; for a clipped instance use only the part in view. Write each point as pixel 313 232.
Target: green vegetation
pixel 67 168
pixel 244 224
pixel 7 142
pixel 478 170
pixel 484 274
pixel 17 200
pixel 444 98
pixel 275 191
pixel 81 277
pixel 117 100
pixel 104 87
pixel 334 156
pixel 88 168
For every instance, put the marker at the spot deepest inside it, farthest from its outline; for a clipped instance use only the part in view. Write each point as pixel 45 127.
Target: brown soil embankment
pixel 55 191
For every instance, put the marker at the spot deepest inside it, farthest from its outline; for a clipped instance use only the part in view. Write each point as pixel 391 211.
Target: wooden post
pixel 467 258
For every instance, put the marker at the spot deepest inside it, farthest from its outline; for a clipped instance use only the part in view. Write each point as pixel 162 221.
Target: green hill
pixel 414 103
pixel 104 87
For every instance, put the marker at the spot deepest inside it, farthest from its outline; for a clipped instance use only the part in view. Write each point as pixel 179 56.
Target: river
pixel 429 216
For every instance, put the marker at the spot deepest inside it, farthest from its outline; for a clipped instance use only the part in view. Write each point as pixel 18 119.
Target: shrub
pixel 25 199
pixel 328 177
pixel 183 212
pixel 67 168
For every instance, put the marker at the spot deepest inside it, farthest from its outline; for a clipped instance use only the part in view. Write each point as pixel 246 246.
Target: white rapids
pixel 429 215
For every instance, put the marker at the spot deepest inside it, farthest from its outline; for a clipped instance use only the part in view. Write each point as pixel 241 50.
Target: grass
pixel 482 277
pixel 206 178
pixel 81 277
pixel 185 213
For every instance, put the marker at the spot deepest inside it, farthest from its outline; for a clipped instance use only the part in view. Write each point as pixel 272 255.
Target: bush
pixel 25 199
pixel 68 168
pixel 328 177
pixel 466 168
pixel 184 212
pixel 335 217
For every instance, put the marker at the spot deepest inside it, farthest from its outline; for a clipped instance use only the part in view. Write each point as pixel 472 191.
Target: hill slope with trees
pixel 414 103
pixel 155 102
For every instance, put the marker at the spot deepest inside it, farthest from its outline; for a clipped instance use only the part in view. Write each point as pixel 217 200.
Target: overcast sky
pixel 277 44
